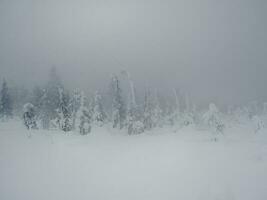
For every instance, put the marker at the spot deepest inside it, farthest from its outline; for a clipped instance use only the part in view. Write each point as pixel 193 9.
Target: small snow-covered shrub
pixel 84 121
pixel 258 124
pixel 212 118
pixel 29 116
pixel 187 119
pixel 136 127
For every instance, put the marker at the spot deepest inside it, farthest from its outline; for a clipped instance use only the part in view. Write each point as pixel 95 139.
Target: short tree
pixel 212 118
pixel 29 116
pixel 258 123
pixel 84 118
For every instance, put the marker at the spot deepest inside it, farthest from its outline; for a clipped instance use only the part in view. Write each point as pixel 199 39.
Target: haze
pixel 214 50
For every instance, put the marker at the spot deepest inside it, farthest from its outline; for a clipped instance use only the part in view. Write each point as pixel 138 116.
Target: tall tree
pixel 6 102
pixel 134 122
pixel 148 110
pixel 65 111
pixel 84 116
pixel 99 115
pixel 118 107
pixel 50 101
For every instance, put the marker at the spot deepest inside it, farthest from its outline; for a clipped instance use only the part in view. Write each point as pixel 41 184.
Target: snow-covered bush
pixel 241 115
pixel 136 127
pixel 258 124
pixel 29 116
pixel 84 118
pixel 187 119
pixel 213 119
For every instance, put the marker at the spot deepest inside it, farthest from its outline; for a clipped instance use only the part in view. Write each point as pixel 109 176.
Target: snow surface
pixel 107 165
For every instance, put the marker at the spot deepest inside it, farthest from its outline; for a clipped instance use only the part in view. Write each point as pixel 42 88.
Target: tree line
pixel 53 106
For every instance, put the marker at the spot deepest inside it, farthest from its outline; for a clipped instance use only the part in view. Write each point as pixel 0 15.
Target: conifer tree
pixel 5 103
pixel 118 107
pixel 148 110
pixel 84 117
pixel 50 101
pixel 65 114
pixel 99 115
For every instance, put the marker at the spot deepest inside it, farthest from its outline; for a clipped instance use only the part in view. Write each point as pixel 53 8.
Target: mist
pixel 214 51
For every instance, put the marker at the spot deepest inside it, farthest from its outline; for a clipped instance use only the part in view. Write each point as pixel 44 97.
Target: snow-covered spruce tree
pixel 84 117
pixel 99 115
pixel 213 119
pixel 50 101
pixel 148 110
pixel 19 96
pixel 152 110
pixel 134 124
pixel 258 123
pixel 157 111
pixel 64 112
pixel 29 116
pixel 76 103
pixel 241 115
pixel 188 114
pixel 6 108
pixel 118 106
pixel 36 99
pixel 174 113
pixel 265 108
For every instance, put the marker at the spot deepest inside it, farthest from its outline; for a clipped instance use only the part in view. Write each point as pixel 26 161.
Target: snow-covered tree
pixel 213 119
pixel 84 117
pixel 6 108
pixel 258 123
pixel 64 112
pixel 99 115
pixel 176 114
pixel 241 115
pixel 75 104
pixel 152 110
pixel 118 106
pixel 133 122
pixel 148 110
pixel 187 118
pixel 36 99
pixel 157 111
pixel 50 101
pixel 20 96
pixel 265 108
pixel 29 116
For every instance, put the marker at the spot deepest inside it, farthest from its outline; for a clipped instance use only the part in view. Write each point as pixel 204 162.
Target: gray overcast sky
pixel 216 50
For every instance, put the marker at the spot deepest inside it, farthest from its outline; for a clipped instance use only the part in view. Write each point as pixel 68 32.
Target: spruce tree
pixel 5 103
pixel 50 101
pixel 65 114
pixel 118 107
pixel 84 117
pixel 99 115
pixel 148 110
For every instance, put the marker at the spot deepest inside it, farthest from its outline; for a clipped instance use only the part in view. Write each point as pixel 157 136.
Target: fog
pixel 213 50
